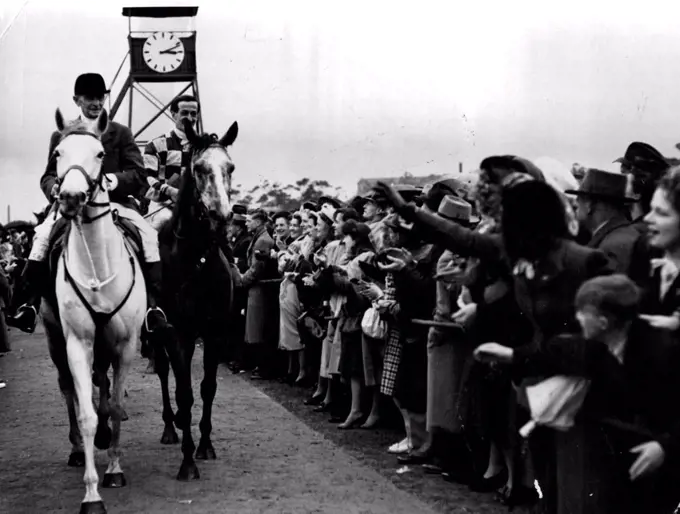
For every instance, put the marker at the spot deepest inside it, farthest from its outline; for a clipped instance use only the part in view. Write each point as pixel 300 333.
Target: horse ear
pixel 102 122
pixel 229 138
pixel 189 131
pixel 59 118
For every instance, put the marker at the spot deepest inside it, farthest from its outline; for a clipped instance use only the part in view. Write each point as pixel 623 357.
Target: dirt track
pixel 270 460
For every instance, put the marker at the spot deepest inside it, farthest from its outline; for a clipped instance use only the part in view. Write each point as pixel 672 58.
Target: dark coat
pixel 547 300
pixel 240 247
pixel 652 303
pixel 263 304
pixel 617 238
pixel 644 392
pixel 123 159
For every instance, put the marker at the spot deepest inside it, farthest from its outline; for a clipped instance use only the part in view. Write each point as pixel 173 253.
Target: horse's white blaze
pixel 78 150
pixel 214 195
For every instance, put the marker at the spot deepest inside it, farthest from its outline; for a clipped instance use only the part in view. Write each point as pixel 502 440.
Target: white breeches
pixel 148 234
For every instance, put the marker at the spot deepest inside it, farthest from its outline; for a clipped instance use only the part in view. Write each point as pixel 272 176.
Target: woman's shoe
pixel 303 382
pixel 352 421
pixel 487 485
pixel 371 422
pixel 323 407
pixel 402 446
pixel 517 496
pixel 432 468
pixel 415 457
pixel 315 399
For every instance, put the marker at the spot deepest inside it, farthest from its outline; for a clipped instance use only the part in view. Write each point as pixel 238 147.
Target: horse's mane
pixel 204 141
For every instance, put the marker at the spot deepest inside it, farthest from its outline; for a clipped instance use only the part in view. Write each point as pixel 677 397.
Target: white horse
pixel 100 305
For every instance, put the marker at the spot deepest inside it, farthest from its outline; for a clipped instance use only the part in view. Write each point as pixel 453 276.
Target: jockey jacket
pixel 122 158
pixel 167 156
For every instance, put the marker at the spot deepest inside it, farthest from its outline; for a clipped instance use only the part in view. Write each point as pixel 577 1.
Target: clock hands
pixel 169 50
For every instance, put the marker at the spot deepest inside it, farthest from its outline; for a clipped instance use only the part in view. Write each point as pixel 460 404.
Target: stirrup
pixel 146 317
pixel 28 306
pixel 12 320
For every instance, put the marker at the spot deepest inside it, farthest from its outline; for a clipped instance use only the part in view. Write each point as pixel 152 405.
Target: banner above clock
pixel 163 56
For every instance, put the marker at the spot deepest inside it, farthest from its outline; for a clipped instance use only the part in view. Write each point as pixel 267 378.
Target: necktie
pixel 668 274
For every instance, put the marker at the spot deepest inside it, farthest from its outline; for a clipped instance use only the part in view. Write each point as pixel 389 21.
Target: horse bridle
pixel 92 184
pixel 202 213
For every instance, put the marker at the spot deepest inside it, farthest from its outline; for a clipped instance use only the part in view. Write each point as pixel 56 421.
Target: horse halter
pixel 201 210
pixel 92 184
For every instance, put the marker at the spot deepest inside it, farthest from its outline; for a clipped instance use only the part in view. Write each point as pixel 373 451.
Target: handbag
pixel 373 325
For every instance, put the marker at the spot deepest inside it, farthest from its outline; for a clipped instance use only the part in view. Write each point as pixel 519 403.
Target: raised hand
pixel 650 458
pixel 393 197
pixel 493 352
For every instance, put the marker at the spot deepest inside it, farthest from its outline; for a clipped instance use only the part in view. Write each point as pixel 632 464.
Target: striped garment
pixel 167 155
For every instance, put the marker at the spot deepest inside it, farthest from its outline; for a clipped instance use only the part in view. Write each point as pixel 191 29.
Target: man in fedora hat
pixel 123 168
pixel 240 240
pixel 602 209
pixel 433 194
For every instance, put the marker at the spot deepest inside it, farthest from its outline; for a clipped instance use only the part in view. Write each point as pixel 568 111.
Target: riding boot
pixel 34 278
pixel 155 317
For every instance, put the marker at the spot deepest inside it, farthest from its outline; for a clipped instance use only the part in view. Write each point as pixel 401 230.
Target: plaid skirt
pixel 391 362
pixel 393 347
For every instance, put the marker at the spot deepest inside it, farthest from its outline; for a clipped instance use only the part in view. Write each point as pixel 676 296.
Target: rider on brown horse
pixel 124 170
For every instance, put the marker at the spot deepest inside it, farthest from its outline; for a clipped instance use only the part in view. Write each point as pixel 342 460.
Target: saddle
pixel 62 228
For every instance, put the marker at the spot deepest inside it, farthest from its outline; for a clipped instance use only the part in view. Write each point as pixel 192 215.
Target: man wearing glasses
pixel 126 181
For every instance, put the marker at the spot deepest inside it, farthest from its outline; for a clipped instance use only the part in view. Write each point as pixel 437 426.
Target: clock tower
pixel 162 57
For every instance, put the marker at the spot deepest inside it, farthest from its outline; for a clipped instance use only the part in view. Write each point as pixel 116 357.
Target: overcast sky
pixel 361 88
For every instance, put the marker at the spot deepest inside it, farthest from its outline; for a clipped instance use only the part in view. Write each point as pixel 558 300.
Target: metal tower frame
pixel 140 74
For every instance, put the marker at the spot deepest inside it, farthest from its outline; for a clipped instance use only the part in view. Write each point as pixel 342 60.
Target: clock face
pixel 163 52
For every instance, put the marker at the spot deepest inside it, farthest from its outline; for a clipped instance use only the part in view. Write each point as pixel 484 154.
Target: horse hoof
pixel 205 452
pixel 118 412
pixel 102 439
pixel 169 436
pixel 76 459
pixel 92 508
pixel 114 480
pixel 188 472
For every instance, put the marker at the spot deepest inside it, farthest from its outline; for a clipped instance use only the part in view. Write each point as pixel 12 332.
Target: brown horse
pixel 197 289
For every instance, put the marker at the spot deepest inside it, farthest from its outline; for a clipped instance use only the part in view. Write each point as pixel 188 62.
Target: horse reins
pixel 92 185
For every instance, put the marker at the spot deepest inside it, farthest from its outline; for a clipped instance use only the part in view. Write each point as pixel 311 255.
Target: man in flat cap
pixel 123 168
pixel 645 166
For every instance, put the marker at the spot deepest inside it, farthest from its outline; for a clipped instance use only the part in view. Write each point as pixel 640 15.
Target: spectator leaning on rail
pixel 123 169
